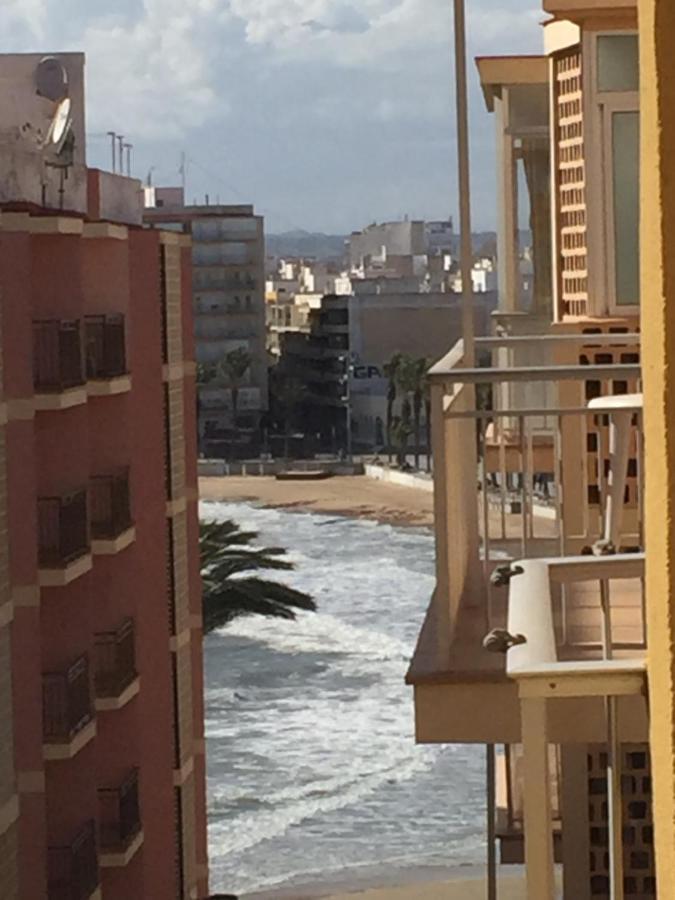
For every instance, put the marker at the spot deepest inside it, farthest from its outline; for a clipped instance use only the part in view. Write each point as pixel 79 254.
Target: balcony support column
pixel 537 801
pixel 657 240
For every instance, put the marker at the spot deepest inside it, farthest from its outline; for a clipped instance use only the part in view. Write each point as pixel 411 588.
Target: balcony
pixel 73 869
pixel 112 526
pixel 115 676
pixel 63 539
pixel 58 364
pixel 105 352
pixel 522 470
pixel 67 711
pixel 120 822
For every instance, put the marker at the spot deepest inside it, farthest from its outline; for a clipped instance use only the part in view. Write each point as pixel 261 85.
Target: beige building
pixel 228 286
pixel 535 639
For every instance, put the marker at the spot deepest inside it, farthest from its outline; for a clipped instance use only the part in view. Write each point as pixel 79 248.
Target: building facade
pixel 535 642
pixel 103 766
pixel 228 258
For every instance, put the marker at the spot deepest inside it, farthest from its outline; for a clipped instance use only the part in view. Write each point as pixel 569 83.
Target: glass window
pixel 626 187
pixel 618 62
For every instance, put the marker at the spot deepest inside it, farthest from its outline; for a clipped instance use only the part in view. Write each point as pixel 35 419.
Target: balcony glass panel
pixel 58 362
pixel 73 869
pixel 66 702
pixel 63 529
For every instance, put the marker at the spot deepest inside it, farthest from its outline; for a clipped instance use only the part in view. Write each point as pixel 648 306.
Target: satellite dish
pixel 61 127
pixel 51 79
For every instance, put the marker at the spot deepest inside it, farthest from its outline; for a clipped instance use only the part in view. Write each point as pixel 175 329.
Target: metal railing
pixel 119 814
pixel 58 362
pixel 105 346
pixel 114 660
pixel 110 505
pixel 66 702
pixel 63 529
pixel 517 479
pixel 73 870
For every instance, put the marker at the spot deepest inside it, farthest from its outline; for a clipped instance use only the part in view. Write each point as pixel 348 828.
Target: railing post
pixel 537 801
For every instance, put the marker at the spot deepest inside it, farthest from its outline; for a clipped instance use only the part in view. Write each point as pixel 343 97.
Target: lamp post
pixel 466 254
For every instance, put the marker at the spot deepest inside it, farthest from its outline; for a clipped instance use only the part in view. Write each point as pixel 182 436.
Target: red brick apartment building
pixel 102 764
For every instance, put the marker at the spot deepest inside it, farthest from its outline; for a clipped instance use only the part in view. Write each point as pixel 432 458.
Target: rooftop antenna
pixel 120 144
pixel 113 137
pixel 128 148
pixel 182 171
pixel 149 178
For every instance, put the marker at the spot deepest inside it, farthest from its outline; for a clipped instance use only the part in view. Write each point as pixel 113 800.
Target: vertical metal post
pixel 113 140
pixel 614 801
pixel 464 184
pixel 120 142
pixel 491 823
pixel 537 796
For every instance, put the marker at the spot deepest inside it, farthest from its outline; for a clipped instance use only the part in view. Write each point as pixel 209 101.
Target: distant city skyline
pixel 326 114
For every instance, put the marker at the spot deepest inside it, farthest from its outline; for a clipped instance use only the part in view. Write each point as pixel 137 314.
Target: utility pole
pixel 464 184
pixel 113 137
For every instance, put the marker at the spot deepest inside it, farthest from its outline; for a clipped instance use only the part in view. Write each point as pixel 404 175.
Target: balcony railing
pixel 110 505
pixel 541 468
pixel 115 660
pixel 58 362
pixel 119 814
pixel 105 349
pixel 66 703
pixel 63 528
pixel 73 870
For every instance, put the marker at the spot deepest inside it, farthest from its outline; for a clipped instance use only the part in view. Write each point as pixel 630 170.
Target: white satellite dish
pixel 60 128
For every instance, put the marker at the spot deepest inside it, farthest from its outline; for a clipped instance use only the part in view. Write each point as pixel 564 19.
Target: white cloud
pixel 23 19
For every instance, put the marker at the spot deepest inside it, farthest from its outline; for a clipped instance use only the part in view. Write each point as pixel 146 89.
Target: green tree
pixel 233 368
pixel 230 591
pixel 390 372
pixel 206 372
pixel 421 367
pixel 406 381
pixel 400 434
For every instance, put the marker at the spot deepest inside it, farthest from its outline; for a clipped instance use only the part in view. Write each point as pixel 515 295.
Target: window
pixel 614 169
pixel 618 62
pixel 626 188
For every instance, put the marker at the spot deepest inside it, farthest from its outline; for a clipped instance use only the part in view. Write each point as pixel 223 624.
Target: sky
pixel 326 114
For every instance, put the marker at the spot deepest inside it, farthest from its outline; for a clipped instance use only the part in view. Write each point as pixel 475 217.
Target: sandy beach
pixel 439 883
pixel 349 496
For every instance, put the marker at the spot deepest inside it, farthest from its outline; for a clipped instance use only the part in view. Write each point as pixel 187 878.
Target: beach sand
pixel 421 883
pixel 358 496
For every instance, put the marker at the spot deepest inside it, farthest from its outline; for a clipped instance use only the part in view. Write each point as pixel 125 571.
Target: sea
pixel 313 771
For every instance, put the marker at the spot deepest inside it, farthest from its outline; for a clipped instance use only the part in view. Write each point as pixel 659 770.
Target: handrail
pixel 543 411
pixel 574 340
pixel 535 373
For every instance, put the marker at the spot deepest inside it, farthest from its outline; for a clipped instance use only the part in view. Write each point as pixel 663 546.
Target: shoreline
pixel 351 496
pixel 422 882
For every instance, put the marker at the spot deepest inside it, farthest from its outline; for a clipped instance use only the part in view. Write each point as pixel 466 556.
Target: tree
pixel 406 381
pixel 390 372
pixel 400 433
pixel 206 372
pixel 229 591
pixel 421 367
pixel 233 367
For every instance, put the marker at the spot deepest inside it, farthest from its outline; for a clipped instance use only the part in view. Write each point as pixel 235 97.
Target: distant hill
pixel 306 243
pixel 332 246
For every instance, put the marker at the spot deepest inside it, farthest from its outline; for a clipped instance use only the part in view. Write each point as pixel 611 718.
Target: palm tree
pixel 421 366
pixel 406 380
pixel 390 370
pixel 228 591
pixel 400 432
pixel 206 372
pixel 233 367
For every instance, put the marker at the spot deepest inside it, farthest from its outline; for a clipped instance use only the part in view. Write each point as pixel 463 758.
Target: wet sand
pixel 357 496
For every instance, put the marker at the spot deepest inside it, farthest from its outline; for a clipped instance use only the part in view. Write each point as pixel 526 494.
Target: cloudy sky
pixel 327 114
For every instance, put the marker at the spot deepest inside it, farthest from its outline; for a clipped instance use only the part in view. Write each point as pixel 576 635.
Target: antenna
pixel 120 144
pixel 113 137
pixel 128 148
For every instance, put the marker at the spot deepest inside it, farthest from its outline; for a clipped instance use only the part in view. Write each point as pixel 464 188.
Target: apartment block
pixel 102 768
pixel 228 259
pixel 536 640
